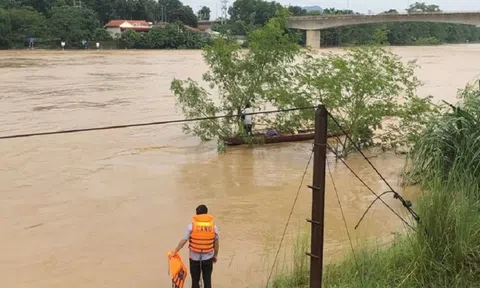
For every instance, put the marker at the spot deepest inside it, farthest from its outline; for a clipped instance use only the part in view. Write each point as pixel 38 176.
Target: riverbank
pixel 444 249
pixel 118 46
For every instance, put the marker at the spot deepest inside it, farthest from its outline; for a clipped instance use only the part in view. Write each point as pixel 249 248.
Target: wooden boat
pixel 302 135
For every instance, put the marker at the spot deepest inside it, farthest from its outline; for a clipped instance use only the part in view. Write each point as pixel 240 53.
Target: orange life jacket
pixel 202 238
pixel 178 271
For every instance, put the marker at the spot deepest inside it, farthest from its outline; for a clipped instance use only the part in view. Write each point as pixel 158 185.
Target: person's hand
pixel 214 259
pixel 173 253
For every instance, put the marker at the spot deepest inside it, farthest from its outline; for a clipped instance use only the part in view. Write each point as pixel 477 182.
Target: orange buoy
pixel 177 270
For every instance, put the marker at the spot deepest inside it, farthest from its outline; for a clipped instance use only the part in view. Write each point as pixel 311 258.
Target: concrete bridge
pixel 314 24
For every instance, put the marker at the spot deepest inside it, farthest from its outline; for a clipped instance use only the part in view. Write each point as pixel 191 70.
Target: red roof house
pixel 116 27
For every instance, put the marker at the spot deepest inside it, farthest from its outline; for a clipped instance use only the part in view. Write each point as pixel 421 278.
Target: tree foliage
pixel 5 28
pixel 171 36
pixel 51 20
pixel 21 23
pixel 361 88
pixel 72 25
pixel 254 12
pixel 241 77
pixel 204 13
pixel 297 10
pixel 101 34
pixel 421 7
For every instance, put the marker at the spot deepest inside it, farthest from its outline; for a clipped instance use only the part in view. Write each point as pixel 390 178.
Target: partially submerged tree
pixel 241 77
pixel 364 87
pixel 361 88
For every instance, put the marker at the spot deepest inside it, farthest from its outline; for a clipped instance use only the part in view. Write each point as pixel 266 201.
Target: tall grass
pixel 444 251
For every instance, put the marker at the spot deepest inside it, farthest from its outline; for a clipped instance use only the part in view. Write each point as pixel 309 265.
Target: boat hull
pixel 302 135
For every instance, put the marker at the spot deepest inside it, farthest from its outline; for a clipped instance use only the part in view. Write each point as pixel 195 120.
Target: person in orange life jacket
pixel 202 235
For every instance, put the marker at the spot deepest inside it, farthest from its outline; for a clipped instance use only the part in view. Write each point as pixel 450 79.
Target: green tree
pixel 297 11
pixel 238 28
pixel 391 11
pixel 157 38
pixel 333 11
pixel 363 87
pixel 59 3
pixel 175 35
pixel 170 36
pixel 422 7
pixel 105 10
pixel 9 4
pixel 26 22
pixel 102 35
pixel 73 24
pixel 254 12
pixel 41 6
pixel 381 35
pixel 129 38
pixel 185 15
pixel 144 10
pixel 240 77
pixel 5 28
pixel 204 13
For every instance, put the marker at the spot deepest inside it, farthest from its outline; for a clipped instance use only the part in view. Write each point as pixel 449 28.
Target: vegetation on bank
pixel 53 21
pixel 172 36
pixel 444 251
pixel 361 87
pixel 248 15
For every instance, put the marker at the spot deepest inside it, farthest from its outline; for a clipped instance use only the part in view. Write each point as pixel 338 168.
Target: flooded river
pixel 101 209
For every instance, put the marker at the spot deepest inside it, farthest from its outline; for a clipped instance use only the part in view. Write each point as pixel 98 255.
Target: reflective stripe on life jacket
pixel 202 238
pixel 178 271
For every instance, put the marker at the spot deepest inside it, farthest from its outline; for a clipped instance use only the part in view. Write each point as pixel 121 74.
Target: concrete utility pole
pixel 318 197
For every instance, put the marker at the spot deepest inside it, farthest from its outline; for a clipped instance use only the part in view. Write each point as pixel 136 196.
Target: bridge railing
pixel 384 13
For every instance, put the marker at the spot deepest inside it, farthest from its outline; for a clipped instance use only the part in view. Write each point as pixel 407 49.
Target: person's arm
pixel 216 245
pixel 184 240
pixel 180 246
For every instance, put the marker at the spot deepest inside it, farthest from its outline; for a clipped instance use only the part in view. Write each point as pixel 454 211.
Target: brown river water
pixel 101 209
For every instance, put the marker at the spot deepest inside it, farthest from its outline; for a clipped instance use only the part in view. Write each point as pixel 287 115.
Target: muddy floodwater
pixel 101 209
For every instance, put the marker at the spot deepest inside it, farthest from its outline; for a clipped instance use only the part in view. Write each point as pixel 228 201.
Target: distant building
pixel 206 25
pixel 117 27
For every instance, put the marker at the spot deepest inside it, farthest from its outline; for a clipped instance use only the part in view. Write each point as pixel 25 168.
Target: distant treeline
pixel 247 15
pixel 50 22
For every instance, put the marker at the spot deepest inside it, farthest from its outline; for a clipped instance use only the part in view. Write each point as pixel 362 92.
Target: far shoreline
pixel 244 49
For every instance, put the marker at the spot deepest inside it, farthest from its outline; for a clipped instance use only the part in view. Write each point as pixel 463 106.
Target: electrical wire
pixel 406 204
pixel 343 214
pixel 370 206
pixel 368 187
pixel 289 217
pixel 148 123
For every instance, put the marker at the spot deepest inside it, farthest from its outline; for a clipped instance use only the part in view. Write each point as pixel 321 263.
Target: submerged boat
pixel 264 138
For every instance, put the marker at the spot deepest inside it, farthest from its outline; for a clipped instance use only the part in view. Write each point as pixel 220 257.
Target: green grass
pixel 444 251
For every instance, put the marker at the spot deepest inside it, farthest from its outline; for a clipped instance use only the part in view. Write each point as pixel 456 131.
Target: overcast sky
pixel 357 5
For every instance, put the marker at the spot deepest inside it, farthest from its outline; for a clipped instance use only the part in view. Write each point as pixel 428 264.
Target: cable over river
pixel 102 208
